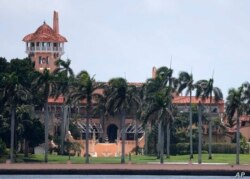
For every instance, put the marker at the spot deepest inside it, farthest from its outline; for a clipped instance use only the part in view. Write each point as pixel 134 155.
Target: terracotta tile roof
pixel 44 34
pixel 177 100
pixel 137 84
pixel 245 118
pixel 194 100
pixel 58 100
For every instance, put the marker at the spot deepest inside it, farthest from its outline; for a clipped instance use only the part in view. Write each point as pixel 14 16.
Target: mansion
pixel 46 45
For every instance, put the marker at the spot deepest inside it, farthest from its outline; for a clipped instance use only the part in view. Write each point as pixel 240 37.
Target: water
pixel 113 177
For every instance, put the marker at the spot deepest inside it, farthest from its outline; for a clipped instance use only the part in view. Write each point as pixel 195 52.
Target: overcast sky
pixel 126 38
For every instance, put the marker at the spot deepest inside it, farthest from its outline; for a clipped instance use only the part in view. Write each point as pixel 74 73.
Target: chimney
pixel 154 72
pixel 56 22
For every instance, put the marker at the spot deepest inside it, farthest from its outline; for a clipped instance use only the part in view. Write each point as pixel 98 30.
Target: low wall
pixel 110 149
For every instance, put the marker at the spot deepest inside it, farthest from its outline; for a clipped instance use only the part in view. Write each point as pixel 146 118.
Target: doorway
pixel 112 133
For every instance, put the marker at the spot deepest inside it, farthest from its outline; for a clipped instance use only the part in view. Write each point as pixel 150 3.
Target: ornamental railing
pixel 45 49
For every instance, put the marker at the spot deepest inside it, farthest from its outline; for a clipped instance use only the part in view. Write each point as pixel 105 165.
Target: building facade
pixel 44 47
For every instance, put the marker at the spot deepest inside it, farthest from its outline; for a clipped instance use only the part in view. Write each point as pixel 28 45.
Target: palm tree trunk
pixel 67 117
pixel 237 139
pixel 159 140
pixel 12 129
pixel 161 144
pixel 102 119
pixel 190 125
pixel 136 137
pixel 210 130
pixel 26 148
pixel 168 140
pixel 200 135
pixel 62 130
pixel 46 124
pixel 146 139
pixel 87 137
pixel 123 136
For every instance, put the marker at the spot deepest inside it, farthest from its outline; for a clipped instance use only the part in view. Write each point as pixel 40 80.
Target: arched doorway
pixel 112 132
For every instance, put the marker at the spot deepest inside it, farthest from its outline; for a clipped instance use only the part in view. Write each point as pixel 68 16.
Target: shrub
pixel 182 148
pixel 226 148
pixel 2 147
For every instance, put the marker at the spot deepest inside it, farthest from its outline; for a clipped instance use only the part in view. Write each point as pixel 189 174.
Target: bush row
pixel 184 148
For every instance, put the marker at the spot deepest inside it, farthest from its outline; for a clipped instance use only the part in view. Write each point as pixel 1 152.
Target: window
pixel 37 44
pixel 40 60
pixel 215 110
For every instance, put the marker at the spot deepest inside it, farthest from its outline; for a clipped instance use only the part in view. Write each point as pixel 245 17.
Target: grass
pixel 140 159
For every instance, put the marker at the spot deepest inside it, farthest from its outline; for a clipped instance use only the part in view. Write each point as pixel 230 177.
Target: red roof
pixel 194 100
pixel 44 34
pixel 245 118
pixel 177 100
pixel 60 100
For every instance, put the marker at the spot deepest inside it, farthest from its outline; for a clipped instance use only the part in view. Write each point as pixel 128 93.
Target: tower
pixel 45 45
pixel 154 72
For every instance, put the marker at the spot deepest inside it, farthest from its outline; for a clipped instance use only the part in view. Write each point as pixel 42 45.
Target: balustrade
pixel 45 49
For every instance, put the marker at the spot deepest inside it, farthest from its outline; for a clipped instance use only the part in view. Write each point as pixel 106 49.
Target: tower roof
pixel 44 33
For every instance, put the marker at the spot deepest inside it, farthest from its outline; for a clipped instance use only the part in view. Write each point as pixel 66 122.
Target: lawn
pixel 140 159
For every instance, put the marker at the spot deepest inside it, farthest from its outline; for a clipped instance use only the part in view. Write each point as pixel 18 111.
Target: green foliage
pixel 225 148
pixel 244 147
pixel 72 147
pixel 180 148
pixel 75 131
pixel 29 127
pixel 2 147
pixel 183 148
pixel 152 142
pixel 5 128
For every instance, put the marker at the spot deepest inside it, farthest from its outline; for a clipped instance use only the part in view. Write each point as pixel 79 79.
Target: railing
pixel 45 49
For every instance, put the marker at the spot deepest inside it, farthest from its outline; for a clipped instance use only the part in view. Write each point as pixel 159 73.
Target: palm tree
pixel 100 107
pixel 84 88
pixel 119 101
pixel 168 80
pixel 158 95
pixel 158 105
pixel 199 132
pixel 234 108
pixel 246 96
pixel 64 67
pixel 64 76
pixel 12 93
pixel 137 105
pixel 45 85
pixel 186 81
pixel 207 90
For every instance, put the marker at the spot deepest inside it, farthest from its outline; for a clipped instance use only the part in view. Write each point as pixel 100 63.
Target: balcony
pixel 59 50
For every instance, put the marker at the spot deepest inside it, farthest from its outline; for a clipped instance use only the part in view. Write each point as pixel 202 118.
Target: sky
pixel 126 38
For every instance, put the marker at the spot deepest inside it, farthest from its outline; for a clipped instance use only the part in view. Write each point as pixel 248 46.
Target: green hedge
pixel 225 148
pixel 184 148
